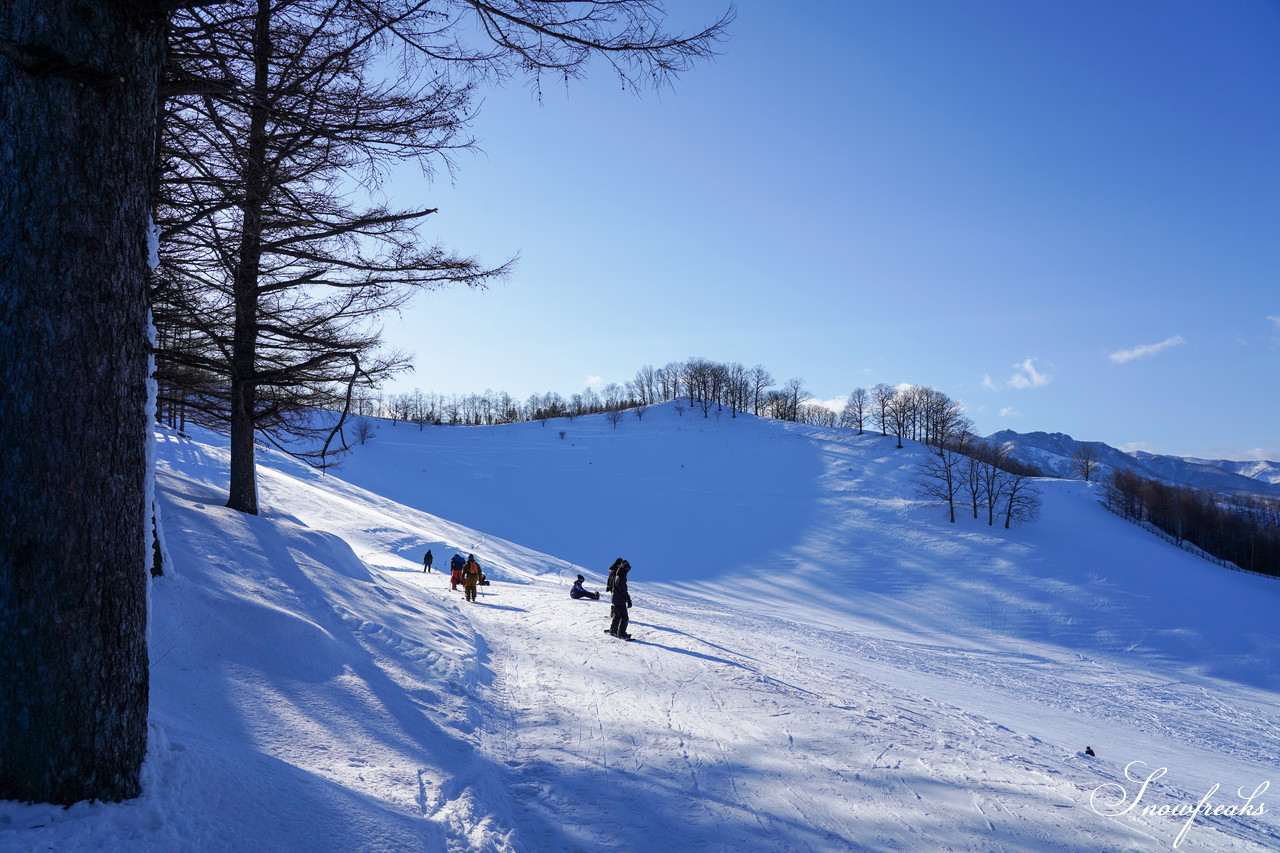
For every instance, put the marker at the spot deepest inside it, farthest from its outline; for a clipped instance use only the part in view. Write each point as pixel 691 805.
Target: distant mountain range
pixel 1052 453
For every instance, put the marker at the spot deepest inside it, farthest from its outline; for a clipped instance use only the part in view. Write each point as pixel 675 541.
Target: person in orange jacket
pixel 470 577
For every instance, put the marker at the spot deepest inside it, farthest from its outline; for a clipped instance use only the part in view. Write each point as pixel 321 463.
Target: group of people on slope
pixel 467 572
pixel 616 584
pixel 461 571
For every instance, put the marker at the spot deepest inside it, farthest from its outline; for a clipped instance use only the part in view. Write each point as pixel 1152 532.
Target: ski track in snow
pixel 703 751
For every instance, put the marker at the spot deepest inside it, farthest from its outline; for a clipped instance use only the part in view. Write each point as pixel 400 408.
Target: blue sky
pixel 1064 214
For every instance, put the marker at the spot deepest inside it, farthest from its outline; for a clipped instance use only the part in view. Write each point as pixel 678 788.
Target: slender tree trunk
pixel 244 485
pixel 77 109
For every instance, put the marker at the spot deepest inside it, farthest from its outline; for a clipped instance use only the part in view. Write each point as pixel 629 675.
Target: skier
pixel 470 577
pixel 455 570
pixel 576 591
pixel 426 561
pixel 621 601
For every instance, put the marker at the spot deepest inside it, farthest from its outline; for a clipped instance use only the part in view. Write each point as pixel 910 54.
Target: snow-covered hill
pixel 1052 453
pixel 823 663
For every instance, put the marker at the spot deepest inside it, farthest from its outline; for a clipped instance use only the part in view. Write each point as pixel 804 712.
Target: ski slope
pixel 822 662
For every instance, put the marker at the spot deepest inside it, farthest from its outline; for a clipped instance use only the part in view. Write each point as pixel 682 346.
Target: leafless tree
pixel 941 476
pixel 559 37
pixel 275 109
pixel 273 276
pixel 1086 459
pixel 761 380
pixel 615 396
pixel 948 473
pixel 881 400
pixel 900 412
pixel 991 483
pixel 855 410
pixel 737 388
pixel 791 395
pixel 646 385
pixel 364 430
pixel 1020 499
pixel 972 484
pixel 1006 487
pixel 936 417
pixel 700 383
pixel 422 411
pixel 672 380
pixel 816 414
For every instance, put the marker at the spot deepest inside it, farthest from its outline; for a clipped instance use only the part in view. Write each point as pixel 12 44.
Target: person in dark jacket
pixel 577 590
pixel 621 602
pixel 613 574
pixel 426 561
pixel 455 570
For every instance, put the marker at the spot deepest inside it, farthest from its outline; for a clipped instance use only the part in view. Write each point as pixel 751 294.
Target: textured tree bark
pixel 78 85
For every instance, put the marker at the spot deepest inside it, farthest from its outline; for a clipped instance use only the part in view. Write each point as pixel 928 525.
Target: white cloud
pixel 1009 412
pixel 595 382
pixel 1146 350
pixel 1275 318
pixel 1026 376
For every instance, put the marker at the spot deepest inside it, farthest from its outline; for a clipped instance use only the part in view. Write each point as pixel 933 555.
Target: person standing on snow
pixel 470 577
pixel 455 570
pixel 577 590
pixel 426 561
pixel 613 574
pixel 621 601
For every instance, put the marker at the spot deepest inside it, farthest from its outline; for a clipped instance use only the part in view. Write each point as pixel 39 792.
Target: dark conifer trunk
pixel 77 109
pixel 243 491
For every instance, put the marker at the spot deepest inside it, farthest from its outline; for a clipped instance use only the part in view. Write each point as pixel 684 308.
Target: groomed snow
pixel 823 662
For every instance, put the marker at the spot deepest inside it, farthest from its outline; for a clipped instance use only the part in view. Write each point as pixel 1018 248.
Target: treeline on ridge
pixel 915 412
pixel 1241 529
pixel 961 470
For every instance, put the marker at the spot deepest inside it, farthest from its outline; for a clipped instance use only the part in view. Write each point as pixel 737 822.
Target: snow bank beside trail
pixel 301 700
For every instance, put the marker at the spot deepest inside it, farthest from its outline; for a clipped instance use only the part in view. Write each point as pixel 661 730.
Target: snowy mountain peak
pixel 1052 453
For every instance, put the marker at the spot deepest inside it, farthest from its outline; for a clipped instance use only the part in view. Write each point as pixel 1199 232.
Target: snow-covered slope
pixel 823 663
pixel 1052 454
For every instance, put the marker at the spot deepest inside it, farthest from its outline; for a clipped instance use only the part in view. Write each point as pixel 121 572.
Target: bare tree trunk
pixel 77 111
pixel 244 487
